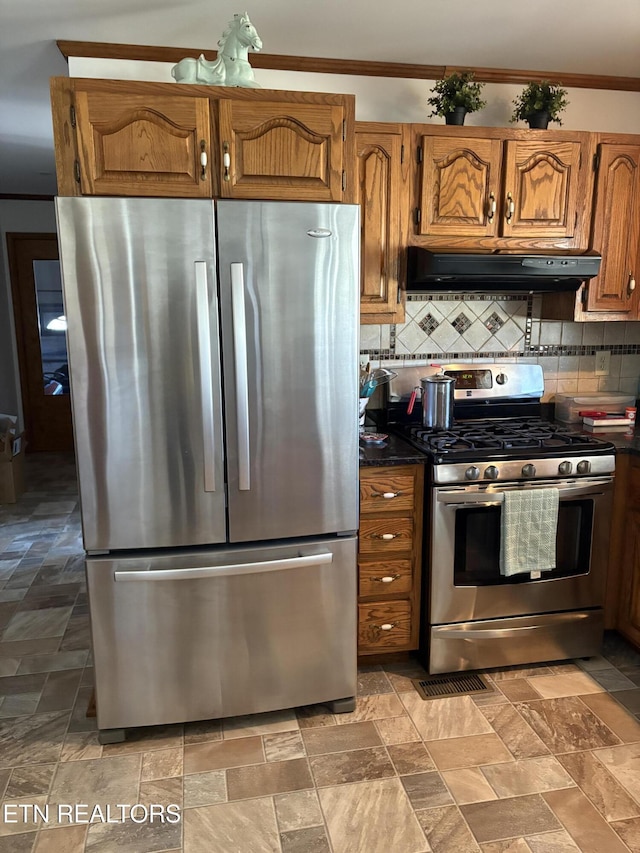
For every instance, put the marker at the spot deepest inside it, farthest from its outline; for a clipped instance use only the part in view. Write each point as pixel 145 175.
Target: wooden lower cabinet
pixel 390 558
pixel 624 565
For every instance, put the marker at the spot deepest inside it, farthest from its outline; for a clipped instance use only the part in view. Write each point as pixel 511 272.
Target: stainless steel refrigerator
pixel 213 351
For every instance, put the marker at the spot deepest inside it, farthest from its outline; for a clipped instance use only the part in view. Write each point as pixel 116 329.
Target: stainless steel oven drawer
pixel 518 640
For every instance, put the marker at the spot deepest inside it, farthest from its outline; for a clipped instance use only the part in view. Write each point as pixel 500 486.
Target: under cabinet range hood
pixel 429 272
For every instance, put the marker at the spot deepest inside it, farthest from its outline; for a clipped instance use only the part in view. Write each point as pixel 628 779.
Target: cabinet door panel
pixel 143 145
pixel 381 196
pixel 460 180
pixel 281 150
pixel 541 189
pixel 629 619
pixel 616 229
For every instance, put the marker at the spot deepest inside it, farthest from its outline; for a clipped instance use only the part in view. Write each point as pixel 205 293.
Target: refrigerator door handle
pixel 206 373
pixel 226 571
pixel 242 375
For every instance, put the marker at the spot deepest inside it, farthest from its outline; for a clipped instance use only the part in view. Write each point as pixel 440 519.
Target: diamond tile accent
pixel 461 323
pixel 429 324
pixel 494 323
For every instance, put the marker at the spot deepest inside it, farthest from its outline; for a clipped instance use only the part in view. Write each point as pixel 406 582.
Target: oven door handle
pixel 451 500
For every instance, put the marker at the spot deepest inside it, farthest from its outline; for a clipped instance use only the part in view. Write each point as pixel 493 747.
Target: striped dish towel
pixel 528 535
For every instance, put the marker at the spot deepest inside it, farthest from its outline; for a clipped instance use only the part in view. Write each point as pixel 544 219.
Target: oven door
pixel 465 579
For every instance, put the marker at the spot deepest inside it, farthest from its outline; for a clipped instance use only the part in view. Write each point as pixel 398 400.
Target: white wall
pixel 400 99
pixel 16 217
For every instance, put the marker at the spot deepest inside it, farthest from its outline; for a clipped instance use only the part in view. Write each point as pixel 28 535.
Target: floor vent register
pixel 441 686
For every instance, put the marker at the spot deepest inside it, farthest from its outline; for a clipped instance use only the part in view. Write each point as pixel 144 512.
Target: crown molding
pixel 357 67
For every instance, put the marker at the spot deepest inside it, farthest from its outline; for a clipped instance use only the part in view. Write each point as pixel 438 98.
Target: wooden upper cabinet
pixel 540 192
pixel 616 230
pixel 384 201
pixel 460 180
pixel 144 145
pixel 489 188
pixel 136 138
pixel 276 150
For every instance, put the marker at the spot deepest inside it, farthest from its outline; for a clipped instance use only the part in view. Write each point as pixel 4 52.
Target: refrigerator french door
pixel 213 351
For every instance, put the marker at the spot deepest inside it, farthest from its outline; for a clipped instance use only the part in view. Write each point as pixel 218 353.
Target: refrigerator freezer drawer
pixel 201 634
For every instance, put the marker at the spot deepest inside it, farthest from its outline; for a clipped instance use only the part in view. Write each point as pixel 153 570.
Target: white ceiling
pixel 541 35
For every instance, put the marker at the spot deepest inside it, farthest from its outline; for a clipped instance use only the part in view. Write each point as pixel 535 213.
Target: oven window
pixel 477 544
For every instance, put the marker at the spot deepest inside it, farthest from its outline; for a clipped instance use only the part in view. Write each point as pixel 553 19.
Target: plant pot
pixel 538 121
pixel 457 116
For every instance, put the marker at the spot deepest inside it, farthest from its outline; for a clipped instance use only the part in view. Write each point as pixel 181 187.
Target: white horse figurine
pixel 231 67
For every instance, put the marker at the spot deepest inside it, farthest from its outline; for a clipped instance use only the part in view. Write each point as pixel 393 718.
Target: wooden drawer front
pixel 386 577
pixel 372 531
pixel 386 493
pixel 384 625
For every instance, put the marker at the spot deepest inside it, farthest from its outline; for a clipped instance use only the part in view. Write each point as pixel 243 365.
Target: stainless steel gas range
pixel 473 616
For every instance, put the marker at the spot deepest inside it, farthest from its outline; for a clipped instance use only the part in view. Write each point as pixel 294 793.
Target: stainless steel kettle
pixel 437 401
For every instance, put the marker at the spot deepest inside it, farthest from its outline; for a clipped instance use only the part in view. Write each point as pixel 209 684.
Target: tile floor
pixel 548 762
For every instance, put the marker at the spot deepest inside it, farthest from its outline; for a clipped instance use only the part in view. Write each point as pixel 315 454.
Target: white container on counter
pixel 568 406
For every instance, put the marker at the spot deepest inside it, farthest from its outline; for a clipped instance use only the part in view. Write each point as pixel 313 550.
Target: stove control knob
pixel 472 473
pixel 529 470
pixel 584 466
pixel 502 379
pixel 565 468
pixel 491 473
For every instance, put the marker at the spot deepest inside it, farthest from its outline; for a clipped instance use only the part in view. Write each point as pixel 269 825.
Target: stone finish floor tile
pixel 552 842
pixel 469 785
pixel 326 739
pixel 65 839
pixel 566 725
pixel 527 776
pixel 515 816
pixel 262 780
pixel 567 684
pixel 249 826
pixel 297 810
pixel 445 718
pixel 447 830
pixel 606 794
pixel 584 824
pixel 375 817
pixel 397 774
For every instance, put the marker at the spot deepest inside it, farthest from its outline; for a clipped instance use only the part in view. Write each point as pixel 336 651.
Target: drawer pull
pixel 387 626
pixel 386 579
pixel 386 495
pixel 385 536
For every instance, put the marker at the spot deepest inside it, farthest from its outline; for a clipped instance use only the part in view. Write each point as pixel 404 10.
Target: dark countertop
pixel 394 451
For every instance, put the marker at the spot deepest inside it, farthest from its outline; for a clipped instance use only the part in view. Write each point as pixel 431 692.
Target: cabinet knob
pixel 386 495
pixel 511 207
pixel 387 626
pixel 492 207
pixel 387 579
pixel 632 283
pixel 386 535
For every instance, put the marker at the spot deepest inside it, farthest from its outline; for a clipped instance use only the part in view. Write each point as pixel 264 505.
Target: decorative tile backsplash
pixel 450 327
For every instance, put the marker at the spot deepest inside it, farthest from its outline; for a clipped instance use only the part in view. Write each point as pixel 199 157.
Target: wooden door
pixel 280 150
pixel 616 230
pixel 382 196
pixel 144 145
pixel 37 301
pixel 460 185
pixel 540 189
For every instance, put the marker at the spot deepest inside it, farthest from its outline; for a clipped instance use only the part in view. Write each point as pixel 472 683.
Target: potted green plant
pixel 540 103
pixel 455 96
